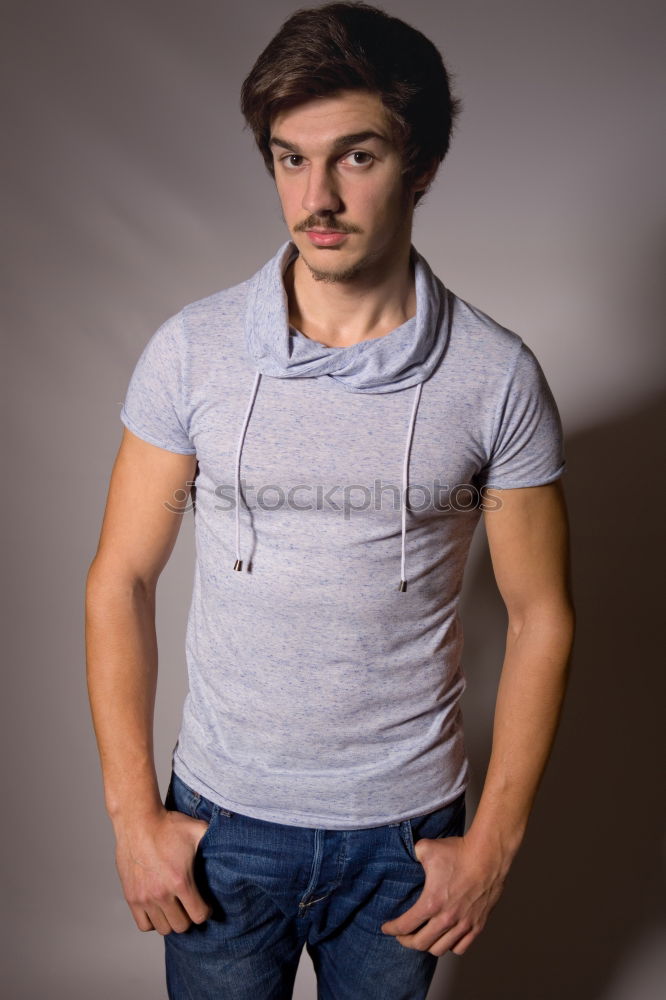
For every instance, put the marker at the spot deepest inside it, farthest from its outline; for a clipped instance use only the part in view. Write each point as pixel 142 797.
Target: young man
pixel 317 794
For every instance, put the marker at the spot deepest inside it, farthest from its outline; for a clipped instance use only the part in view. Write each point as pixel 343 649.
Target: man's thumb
pixel 420 849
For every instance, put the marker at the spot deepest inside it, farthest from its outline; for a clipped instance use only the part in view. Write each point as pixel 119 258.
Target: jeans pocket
pixel 184 799
pixel 454 820
pixel 449 821
pixel 407 838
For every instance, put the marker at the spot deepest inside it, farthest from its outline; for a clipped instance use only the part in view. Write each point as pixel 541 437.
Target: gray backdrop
pixel 133 189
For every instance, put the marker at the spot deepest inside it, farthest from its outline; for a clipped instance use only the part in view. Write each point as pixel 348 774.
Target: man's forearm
pixel 528 708
pixel 121 657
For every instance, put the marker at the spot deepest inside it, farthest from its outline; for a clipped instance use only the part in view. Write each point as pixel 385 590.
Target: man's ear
pixel 423 181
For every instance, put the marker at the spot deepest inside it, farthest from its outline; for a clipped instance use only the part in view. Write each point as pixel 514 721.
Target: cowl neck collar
pixel 404 357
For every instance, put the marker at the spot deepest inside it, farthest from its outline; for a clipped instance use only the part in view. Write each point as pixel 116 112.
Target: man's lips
pixel 325 237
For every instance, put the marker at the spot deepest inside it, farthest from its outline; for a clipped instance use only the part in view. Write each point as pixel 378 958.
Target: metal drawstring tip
pixel 403 585
pixel 238 564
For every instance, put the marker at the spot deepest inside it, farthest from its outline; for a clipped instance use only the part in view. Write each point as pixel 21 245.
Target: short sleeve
pixel 527 446
pixel 154 407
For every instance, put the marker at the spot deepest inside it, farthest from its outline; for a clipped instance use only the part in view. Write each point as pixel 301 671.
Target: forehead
pixel 324 119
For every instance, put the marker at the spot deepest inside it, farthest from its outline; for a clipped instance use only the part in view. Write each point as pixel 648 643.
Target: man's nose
pixel 320 193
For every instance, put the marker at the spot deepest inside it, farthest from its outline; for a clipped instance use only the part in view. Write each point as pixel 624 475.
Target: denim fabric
pixel 275 888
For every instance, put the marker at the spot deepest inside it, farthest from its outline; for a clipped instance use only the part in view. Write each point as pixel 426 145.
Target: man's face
pixel 338 175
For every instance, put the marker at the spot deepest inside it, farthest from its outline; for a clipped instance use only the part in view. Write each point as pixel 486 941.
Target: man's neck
pixel 342 313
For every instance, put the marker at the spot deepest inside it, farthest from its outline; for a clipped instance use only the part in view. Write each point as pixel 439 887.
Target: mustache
pixel 312 222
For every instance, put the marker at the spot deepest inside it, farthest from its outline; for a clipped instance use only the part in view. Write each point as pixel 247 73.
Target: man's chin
pixel 331 273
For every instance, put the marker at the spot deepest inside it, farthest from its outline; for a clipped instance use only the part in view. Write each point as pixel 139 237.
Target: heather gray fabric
pixel 403 357
pixel 319 693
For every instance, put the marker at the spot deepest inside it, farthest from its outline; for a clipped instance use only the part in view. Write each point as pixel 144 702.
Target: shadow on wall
pixel 584 893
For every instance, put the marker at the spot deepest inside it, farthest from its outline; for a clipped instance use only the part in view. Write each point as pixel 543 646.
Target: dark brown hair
pixel 321 51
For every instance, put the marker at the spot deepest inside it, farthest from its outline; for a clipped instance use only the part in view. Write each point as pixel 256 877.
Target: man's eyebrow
pixel 342 142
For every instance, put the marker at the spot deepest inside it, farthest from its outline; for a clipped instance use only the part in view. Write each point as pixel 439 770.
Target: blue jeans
pixel 275 888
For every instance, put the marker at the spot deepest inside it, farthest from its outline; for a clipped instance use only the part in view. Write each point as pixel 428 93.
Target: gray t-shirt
pixel 321 692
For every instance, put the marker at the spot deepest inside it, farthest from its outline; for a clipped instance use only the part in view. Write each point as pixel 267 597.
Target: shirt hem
pixel 179 450
pixel 284 818
pixel 521 484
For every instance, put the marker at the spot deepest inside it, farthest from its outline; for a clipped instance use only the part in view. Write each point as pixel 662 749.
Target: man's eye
pixel 361 158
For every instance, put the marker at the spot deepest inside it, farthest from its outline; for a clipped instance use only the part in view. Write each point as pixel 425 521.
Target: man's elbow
pixel 550 617
pixel 109 579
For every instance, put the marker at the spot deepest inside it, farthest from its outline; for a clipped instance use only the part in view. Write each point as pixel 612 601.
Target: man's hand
pixel 462 886
pixel 155 859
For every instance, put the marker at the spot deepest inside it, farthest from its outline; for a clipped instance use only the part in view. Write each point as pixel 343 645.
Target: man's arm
pixel 529 546
pixel 155 846
pixel 528 540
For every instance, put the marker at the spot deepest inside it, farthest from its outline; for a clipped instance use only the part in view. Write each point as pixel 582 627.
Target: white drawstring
pixel 239 562
pixel 405 481
pixel 238 565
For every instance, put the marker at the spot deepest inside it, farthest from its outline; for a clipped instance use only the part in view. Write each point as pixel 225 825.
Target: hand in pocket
pixel 155 860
